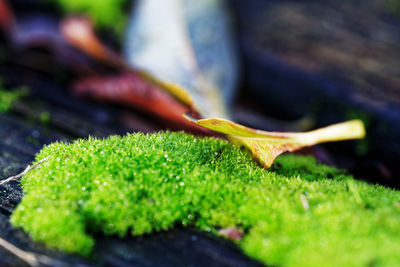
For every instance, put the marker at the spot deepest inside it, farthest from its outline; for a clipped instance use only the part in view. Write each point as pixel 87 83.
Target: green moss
pixel 393 6
pixel 141 184
pixel 104 13
pixel 8 98
pixel 45 117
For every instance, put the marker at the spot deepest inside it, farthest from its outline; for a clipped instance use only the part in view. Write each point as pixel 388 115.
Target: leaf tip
pixel 358 128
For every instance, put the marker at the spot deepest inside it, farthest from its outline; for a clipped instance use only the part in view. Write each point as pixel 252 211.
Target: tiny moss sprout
pixel 393 6
pixel 299 213
pixel 8 98
pixel 45 117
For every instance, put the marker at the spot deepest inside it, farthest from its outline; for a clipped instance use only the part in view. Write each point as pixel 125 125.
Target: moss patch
pixel 140 184
pixel 8 98
pixel 393 6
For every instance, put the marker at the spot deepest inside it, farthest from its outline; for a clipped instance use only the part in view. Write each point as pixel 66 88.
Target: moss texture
pixel 300 214
pixel 8 98
pixel 104 13
pixel 393 6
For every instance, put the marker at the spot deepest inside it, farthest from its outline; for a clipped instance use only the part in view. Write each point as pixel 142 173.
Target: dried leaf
pixel 131 89
pixel 266 146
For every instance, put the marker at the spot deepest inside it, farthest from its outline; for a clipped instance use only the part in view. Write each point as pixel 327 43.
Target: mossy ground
pixel 393 6
pixel 140 184
pixel 8 98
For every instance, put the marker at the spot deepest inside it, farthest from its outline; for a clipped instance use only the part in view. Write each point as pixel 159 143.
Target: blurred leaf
pixel 79 32
pixel 131 89
pixel 189 44
pixel 266 146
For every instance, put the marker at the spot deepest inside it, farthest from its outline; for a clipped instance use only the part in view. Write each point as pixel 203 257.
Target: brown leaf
pixel 131 89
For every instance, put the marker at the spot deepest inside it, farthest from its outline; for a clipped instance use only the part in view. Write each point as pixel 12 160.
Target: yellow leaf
pixel 266 146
